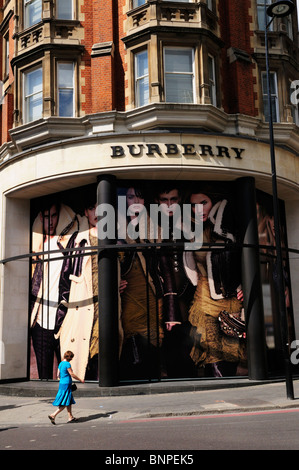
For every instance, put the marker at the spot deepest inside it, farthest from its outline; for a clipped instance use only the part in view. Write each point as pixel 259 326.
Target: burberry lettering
pixel 175 150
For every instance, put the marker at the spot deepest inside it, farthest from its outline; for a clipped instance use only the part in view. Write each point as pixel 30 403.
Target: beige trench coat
pixel 67 218
pixel 76 329
pixel 75 332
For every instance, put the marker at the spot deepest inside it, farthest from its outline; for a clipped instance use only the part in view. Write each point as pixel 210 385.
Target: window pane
pixel 141 78
pixel 273 107
pixel 65 75
pixel 261 15
pixel 66 103
pixel 287 21
pixel 274 96
pixel 179 88
pixel 6 62
pixel 65 81
pixel 142 92
pixel 33 12
pixel 179 76
pixel 33 99
pixel 34 82
pixel 141 64
pixel 261 18
pixel 264 82
pixel 272 83
pixel 35 107
pixel 178 61
pixel 65 9
pixel 212 80
pixel 211 69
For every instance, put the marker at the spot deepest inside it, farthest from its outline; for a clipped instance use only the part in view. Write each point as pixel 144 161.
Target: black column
pixel 108 288
pixel 251 279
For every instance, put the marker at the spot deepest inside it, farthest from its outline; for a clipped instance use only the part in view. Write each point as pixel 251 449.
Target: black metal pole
pixel 279 261
pixel 108 289
pixel 251 279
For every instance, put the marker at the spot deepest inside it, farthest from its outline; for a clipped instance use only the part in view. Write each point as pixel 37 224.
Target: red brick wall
pixel 237 77
pixel 87 24
pixel 119 58
pixel 104 88
pixel 8 100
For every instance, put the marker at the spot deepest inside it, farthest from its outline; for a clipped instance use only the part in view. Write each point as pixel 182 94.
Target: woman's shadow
pixel 83 419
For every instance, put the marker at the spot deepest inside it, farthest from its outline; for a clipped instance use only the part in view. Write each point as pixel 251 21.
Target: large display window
pixel 269 278
pixel 180 291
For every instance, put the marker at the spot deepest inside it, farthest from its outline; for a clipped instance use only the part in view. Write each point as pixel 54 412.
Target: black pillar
pixel 108 284
pixel 251 278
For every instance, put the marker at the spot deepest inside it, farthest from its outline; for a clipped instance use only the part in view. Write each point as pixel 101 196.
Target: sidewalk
pixel 31 402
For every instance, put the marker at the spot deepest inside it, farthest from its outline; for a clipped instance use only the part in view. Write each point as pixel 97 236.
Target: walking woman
pixel 64 397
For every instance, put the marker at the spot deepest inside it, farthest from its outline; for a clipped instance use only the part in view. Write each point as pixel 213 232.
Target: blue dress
pixel 64 395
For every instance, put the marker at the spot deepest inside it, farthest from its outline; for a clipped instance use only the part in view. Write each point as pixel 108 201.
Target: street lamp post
pixel 278 9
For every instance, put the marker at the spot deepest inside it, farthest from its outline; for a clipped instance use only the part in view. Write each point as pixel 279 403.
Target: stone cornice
pixel 201 118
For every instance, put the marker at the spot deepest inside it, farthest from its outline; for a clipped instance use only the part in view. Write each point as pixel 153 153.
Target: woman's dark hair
pixel 204 188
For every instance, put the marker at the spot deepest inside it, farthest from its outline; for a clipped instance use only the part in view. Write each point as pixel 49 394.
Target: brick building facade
pixel 139 90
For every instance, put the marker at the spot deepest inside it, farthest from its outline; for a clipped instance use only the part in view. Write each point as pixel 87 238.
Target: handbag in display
pixel 231 325
pixel 74 387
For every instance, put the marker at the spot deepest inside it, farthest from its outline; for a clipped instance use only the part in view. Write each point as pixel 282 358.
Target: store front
pixel 89 266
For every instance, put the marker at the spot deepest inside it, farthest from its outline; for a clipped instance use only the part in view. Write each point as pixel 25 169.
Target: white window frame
pixel 274 95
pixel 67 88
pixel 70 9
pixel 27 98
pixel 139 79
pixel 212 80
pixel 190 73
pixel 29 6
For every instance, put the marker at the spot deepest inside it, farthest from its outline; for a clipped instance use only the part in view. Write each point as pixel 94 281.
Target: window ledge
pixel 183 115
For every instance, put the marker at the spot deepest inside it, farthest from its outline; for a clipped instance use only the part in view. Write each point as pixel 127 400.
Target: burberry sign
pixel 176 150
